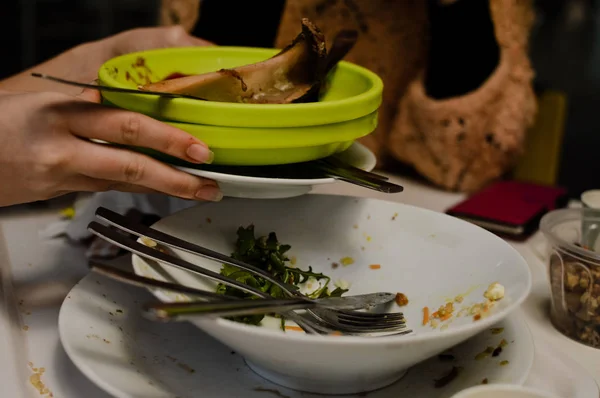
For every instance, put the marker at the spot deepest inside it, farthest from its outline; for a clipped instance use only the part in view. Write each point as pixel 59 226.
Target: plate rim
pixel 517 318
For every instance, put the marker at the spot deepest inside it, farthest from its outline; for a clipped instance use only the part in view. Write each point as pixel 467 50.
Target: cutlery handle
pixel 136 280
pixel 113 89
pixel 149 253
pixel 140 230
pixel 363 178
pixel 187 310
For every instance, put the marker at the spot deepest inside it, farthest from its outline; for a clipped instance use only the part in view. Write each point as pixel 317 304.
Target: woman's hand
pixel 46 151
pixel 81 63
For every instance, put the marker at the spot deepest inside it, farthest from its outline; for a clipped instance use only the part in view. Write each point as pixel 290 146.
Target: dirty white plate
pixel 130 357
pixel 252 186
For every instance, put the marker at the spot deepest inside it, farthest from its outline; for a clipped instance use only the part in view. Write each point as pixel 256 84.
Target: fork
pixel 341 319
pixel 139 230
pixel 223 305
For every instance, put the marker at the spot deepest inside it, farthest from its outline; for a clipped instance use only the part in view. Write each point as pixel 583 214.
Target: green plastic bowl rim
pixel 372 93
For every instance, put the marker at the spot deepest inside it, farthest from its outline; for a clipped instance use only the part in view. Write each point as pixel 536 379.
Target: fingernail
pixel 200 153
pixel 209 193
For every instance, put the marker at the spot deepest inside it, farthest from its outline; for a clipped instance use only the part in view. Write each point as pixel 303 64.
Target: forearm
pixel 80 63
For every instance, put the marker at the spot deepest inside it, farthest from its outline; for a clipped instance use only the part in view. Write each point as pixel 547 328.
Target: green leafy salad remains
pixel 269 255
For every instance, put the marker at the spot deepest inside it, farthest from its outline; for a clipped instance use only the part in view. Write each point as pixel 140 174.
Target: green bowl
pixel 353 91
pixel 250 134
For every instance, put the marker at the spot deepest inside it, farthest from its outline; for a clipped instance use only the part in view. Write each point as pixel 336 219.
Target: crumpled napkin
pixel 139 206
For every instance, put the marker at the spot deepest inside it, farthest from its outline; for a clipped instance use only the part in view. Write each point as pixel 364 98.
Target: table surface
pixel 44 270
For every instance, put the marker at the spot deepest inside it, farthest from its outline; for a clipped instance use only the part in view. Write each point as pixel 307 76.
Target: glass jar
pixel 574 272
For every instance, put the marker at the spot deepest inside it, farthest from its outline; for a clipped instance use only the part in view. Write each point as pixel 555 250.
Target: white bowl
pixel 502 391
pixel 426 255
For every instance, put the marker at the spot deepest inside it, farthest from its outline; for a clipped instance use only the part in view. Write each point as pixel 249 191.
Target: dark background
pixel 565 50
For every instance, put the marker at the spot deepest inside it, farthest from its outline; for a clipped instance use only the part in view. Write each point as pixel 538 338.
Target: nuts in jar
pixel 574 278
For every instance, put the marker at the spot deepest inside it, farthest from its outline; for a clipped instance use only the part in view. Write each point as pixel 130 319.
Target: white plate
pixel 130 357
pixel 237 186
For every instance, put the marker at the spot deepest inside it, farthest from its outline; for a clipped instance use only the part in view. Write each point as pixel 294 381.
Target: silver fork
pixel 317 325
pixel 340 319
pixel 123 223
pixel 223 305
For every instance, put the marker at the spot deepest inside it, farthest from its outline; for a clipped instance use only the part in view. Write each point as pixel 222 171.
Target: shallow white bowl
pixel 428 256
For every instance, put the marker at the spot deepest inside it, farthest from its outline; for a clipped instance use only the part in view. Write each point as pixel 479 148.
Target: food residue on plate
pixel 494 292
pixel 347 261
pixel 484 381
pixel 36 381
pixel 294 328
pixel 394 216
pixel 497 330
pixel 375 266
pixel 401 299
pixel 492 351
pixel 504 363
pixel 445 313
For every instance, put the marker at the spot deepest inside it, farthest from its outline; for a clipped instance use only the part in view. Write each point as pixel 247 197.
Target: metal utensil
pixel 356 302
pixel 341 171
pixel 113 89
pixel 363 321
pixel 140 230
pixel 127 243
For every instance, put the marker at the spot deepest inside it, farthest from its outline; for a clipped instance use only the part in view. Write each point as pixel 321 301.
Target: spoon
pixel 113 89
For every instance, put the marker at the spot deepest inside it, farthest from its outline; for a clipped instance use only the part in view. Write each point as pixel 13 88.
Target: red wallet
pixel 510 208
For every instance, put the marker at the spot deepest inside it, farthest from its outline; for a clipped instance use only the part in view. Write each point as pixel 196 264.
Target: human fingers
pixel 90 95
pixel 129 128
pixel 122 166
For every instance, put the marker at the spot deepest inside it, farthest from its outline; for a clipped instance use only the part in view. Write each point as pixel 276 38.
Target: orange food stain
pixel 294 328
pixel 375 266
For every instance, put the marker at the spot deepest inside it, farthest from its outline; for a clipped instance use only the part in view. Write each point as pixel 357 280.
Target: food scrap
pixel 268 254
pixel 347 261
pixel 375 266
pixel 504 363
pixel 425 316
pixel 394 216
pixel 148 242
pixel 68 213
pixel 294 328
pixel 492 351
pixel 485 381
pixel 401 299
pixel 36 381
pixel 485 353
pixel 497 330
pixel 494 292
pixel 297 74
